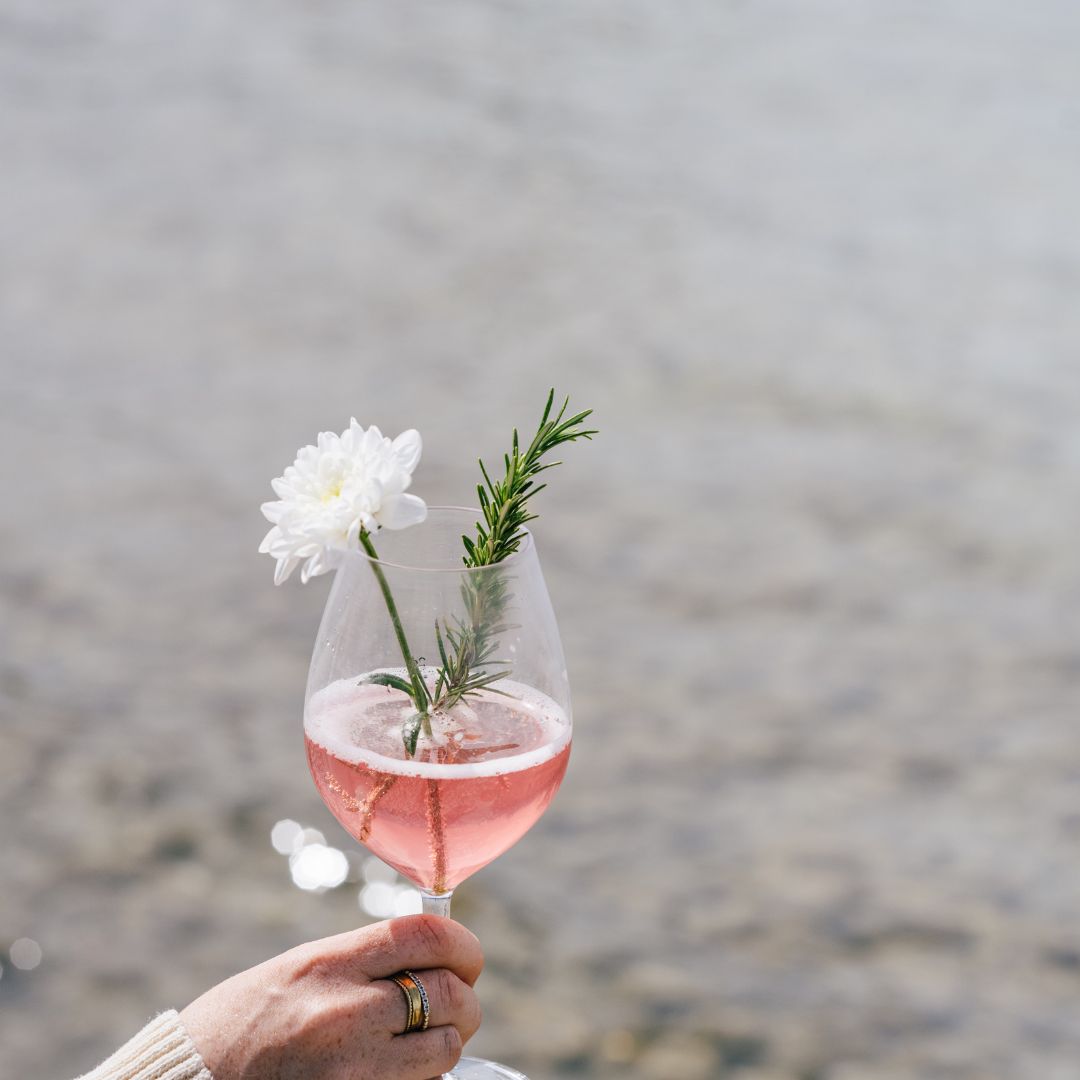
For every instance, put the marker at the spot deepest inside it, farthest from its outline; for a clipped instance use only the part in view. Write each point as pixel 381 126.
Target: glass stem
pixel 436 903
pixel 420 695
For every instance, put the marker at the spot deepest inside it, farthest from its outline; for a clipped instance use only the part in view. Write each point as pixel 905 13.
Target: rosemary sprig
pixel 466 649
pixel 505 505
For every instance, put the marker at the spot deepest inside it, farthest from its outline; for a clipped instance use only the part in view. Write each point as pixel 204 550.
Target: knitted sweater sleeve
pixel 163 1050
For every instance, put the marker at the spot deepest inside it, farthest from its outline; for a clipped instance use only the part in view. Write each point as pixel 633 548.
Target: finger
pixel 414 942
pixel 424 1054
pixel 450 1001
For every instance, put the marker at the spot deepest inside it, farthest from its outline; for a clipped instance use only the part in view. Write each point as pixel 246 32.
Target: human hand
pixel 327 1010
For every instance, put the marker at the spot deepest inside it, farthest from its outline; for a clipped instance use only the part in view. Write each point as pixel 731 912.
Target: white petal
pixel 407 447
pixel 268 540
pixel 326 561
pixel 351 437
pixel 397 482
pixel 273 511
pixel 310 569
pixel 335 487
pixel 363 520
pixel 401 511
pixel 281 546
pixel 368 446
pixel 283 569
pixel 306 457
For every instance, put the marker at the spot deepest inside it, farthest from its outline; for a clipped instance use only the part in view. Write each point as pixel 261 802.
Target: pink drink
pixel 470 793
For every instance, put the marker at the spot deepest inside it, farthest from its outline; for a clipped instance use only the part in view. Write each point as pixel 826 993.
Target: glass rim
pixel 474 512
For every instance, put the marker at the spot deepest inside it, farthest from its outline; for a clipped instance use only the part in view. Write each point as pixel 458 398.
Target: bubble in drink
pixel 474 788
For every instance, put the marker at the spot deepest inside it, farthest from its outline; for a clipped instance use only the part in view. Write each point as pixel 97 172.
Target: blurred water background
pixel 814 262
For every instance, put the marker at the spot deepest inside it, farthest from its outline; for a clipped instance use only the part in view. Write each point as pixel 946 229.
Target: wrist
pixel 163 1050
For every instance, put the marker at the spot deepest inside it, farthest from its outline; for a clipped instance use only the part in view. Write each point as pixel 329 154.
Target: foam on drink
pixel 362 722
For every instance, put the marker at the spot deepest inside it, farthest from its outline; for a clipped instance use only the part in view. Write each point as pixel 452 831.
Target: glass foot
pixel 477 1069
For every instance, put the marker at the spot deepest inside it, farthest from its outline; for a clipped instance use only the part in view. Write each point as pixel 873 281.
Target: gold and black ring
pixel 416 1001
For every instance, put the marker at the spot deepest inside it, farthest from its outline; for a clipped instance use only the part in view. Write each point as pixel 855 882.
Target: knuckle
pixel 469 957
pixel 308 962
pixel 476 1015
pixel 299 957
pixel 432 934
pixel 451 1047
pixel 452 990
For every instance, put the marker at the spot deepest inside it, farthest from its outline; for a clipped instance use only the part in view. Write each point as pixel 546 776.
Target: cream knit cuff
pixel 163 1050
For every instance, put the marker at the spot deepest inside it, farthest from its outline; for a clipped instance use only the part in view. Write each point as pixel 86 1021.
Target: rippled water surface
pixel 815 264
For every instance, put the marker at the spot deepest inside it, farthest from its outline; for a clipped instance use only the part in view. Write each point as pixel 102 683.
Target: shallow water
pixel 814 264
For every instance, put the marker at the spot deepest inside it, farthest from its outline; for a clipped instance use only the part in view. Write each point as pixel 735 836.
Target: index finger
pixel 415 941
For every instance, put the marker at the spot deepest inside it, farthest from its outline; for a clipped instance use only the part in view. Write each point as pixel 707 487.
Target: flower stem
pixel 420 694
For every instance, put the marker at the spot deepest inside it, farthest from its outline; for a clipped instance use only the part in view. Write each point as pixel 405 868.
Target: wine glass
pixel 487 761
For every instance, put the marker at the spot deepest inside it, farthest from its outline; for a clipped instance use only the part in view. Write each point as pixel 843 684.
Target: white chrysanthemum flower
pixel 345 483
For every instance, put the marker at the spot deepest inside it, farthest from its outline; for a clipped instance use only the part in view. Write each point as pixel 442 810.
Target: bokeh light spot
pixel 375 870
pixel 25 954
pixel 316 867
pixel 285 836
pixel 407 901
pixel 378 899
